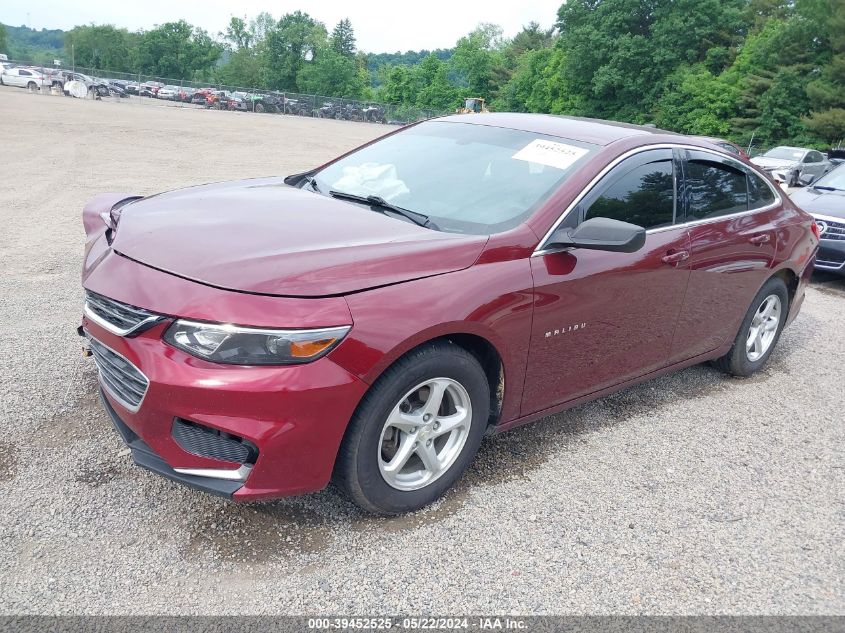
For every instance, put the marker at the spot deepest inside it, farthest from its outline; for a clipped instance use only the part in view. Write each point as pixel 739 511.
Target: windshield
pixel 785 153
pixel 467 178
pixel 834 179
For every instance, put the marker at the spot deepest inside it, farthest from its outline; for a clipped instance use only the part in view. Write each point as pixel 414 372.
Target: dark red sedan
pixel 372 319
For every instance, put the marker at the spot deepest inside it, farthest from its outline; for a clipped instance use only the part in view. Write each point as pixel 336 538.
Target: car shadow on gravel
pixel 260 532
pixel 263 531
pixel 829 284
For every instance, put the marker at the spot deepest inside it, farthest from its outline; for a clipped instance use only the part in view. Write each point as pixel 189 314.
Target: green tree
pixel 827 92
pixel 538 84
pixel 331 74
pixel 476 58
pixel 343 38
pixel 289 47
pixel 237 34
pixel 434 90
pixel 177 50
pixel 99 46
pixel 532 37
pixel 697 102
pixel 619 52
pixel 398 85
pixel 4 42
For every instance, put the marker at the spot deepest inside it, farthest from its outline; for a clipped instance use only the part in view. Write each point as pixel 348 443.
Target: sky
pixel 380 27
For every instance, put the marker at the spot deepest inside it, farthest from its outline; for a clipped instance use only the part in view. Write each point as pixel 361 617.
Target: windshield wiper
pixel 377 201
pixel 826 188
pixel 311 181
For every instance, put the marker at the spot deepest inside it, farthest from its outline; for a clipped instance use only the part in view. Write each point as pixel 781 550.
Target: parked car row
pixel 256 102
pixel 37 79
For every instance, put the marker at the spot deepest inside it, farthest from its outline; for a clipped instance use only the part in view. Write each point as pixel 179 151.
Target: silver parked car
pixel 794 166
pixel 31 78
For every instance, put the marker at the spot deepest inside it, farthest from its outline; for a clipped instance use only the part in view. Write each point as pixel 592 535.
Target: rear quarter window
pixel 713 187
pixel 760 194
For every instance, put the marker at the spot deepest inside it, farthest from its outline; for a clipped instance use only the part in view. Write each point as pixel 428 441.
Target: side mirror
pixel 806 179
pixel 600 234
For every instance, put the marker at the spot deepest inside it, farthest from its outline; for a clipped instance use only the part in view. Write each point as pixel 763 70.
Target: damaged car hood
pixel 772 163
pixel 262 236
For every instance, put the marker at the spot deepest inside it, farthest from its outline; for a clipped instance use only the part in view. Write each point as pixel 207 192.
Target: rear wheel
pixel 759 332
pixel 416 430
pixel 33 87
pixel 259 107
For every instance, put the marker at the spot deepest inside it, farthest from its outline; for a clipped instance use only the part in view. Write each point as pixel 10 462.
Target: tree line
pixel 771 71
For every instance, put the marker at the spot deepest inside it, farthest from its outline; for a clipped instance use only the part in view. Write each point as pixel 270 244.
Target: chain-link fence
pixel 139 88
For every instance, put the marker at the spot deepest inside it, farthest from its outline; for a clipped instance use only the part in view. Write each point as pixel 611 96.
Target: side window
pixel 816 157
pixel 640 191
pixel 759 193
pixel 24 73
pixel 808 158
pixel 713 187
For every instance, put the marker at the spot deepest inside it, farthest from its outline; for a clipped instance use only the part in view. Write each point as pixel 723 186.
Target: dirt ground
pixel 690 494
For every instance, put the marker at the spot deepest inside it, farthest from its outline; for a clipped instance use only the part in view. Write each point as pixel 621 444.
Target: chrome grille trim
pixel 829 265
pixel 116 317
pixel 119 377
pixel 834 228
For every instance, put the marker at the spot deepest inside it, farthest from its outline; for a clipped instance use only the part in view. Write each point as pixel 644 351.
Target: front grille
pixel 119 318
pixel 832 230
pixel 123 381
pixel 207 442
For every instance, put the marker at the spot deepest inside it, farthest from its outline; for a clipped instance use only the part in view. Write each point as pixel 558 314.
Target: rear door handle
pixel 763 238
pixel 675 257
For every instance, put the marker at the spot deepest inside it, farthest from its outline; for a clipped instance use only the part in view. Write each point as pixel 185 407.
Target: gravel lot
pixel 690 494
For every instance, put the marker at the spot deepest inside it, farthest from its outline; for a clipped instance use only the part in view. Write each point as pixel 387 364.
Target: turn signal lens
pixel 816 231
pixel 307 349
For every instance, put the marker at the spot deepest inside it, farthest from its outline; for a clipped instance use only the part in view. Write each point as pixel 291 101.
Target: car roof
pixel 593 131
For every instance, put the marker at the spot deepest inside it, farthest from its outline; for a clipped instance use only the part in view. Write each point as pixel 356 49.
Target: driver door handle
pixel 675 256
pixel 763 238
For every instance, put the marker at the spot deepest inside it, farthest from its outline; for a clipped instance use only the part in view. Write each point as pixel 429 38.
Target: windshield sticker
pixel 558 155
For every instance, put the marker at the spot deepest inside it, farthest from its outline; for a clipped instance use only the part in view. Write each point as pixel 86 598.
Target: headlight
pixel 235 345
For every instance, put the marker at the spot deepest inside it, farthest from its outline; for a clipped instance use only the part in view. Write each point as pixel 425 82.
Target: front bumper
pixel 293 416
pixel 145 457
pixel 831 254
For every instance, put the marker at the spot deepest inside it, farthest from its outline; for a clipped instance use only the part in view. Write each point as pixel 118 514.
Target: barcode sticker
pixel 543 152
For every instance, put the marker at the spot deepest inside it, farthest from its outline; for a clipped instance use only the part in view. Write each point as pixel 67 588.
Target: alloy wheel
pixel 424 434
pixel 763 328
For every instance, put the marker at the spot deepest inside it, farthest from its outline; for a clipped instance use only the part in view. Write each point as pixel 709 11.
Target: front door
pixel 601 318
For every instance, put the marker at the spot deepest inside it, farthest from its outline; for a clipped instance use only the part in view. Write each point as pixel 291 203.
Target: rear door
pixel 730 212
pixel 601 318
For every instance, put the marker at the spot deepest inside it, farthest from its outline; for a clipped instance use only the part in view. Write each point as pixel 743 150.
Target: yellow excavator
pixel 473 105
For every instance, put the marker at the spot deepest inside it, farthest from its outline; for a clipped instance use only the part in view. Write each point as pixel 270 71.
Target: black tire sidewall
pixel 740 364
pixel 368 423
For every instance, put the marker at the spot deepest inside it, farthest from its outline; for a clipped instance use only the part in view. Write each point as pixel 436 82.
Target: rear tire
pixel 431 407
pixel 760 330
pixel 32 86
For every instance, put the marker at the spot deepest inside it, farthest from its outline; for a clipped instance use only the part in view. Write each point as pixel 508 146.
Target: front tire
pixel 759 332
pixel 416 430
